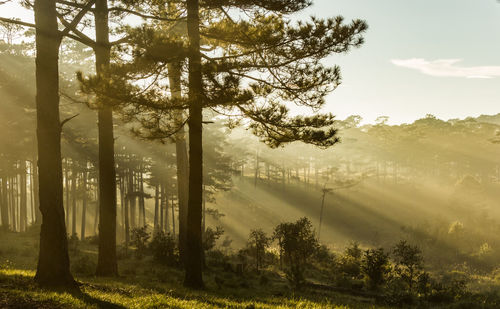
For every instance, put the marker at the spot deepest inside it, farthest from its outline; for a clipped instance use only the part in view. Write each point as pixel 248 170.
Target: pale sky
pixel 438 57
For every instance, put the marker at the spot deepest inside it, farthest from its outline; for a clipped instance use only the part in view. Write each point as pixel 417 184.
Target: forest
pixel 179 154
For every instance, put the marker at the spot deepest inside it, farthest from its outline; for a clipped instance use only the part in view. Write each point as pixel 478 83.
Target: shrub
pixel 375 267
pixel 211 236
pixel 257 244
pixel 140 237
pixel 298 243
pixel 83 265
pixel 408 263
pixel 164 248
pixel 349 263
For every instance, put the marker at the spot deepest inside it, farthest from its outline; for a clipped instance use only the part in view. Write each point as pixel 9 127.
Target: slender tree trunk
pixel 38 214
pixel 5 204
pixel 106 261
pixel 66 187
pixel 194 254
pixel 173 216
pixel 157 197
pixel 23 205
pixel 162 203
pixel 73 199
pixel 142 203
pixel 53 260
pixel 182 160
pixel 84 202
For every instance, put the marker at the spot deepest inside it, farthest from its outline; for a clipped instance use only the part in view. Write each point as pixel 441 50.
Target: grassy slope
pixel 145 285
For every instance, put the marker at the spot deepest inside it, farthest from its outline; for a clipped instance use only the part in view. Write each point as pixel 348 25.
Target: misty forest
pixel 182 154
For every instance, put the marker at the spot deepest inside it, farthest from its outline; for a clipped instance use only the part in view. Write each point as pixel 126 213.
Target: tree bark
pixel 194 254
pixel 73 199
pixel 156 207
pixel 53 260
pixel 84 202
pixel 5 204
pixel 23 205
pixel 174 71
pixel 106 261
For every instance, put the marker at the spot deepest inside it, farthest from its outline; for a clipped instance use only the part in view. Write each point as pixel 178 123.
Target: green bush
pixel 140 237
pixel 164 249
pixel 375 267
pixel 298 243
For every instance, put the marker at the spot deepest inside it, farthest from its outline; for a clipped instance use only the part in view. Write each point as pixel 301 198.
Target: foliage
pixel 211 236
pixel 164 248
pixel 257 244
pixel 298 243
pixel 139 239
pixel 375 267
pixel 408 263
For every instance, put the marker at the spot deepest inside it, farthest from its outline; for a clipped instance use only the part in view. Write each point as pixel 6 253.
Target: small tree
pixel 140 237
pixel 408 263
pixel 211 236
pixel 298 243
pixel 163 247
pixel 375 266
pixel 350 261
pixel 258 242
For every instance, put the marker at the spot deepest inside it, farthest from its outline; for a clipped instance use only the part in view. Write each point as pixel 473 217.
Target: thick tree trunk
pixel 53 260
pixel 194 254
pixel 174 71
pixel 106 261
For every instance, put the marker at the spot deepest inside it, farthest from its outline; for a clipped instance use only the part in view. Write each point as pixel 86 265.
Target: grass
pixel 143 284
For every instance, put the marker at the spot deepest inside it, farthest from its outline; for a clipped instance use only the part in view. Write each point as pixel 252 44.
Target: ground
pixel 143 284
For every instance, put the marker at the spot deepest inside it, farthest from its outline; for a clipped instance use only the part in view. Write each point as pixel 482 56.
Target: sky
pixel 439 57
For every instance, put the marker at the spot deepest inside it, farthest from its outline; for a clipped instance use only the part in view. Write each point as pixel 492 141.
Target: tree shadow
pixel 92 301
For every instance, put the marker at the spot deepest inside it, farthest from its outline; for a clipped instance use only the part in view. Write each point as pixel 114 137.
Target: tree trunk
pixel 182 159
pixel 53 260
pixel 194 254
pixel 73 200
pixel 66 187
pixel 162 203
pixel 23 205
pixel 106 261
pixel 84 202
pixel 157 197
pixel 5 204
pixel 142 204
pixel 38 214
pixel 173 216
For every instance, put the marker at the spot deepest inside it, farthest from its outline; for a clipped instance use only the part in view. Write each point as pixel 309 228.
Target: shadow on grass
pixel 17 287
pixel 92 301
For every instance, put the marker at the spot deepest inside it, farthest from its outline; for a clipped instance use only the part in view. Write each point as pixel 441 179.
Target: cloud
pixel 447 68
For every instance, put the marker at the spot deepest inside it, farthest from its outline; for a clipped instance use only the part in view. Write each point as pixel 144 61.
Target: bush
pixel 257 244
pixel 140 237
pixel 375 267
pixel 83 265
pixel 211 236
pixel 408 263
pixel 298 243
pixel 164 248
pixel 349 263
